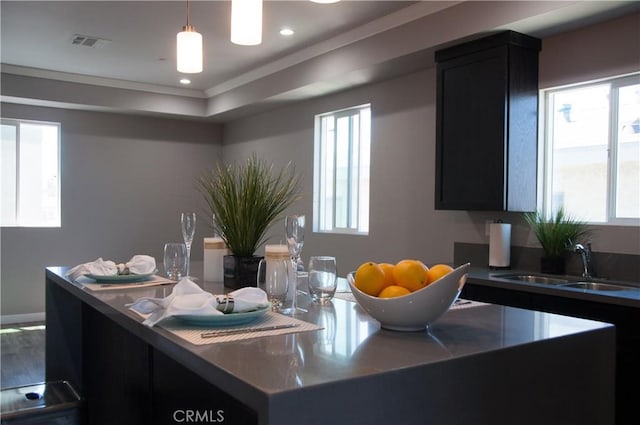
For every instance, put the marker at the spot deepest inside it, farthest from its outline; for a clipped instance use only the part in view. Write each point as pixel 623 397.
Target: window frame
pixel 16 123
pixel 353 177
pixel 545 162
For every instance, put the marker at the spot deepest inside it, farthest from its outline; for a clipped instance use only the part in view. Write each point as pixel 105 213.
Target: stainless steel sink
pixel 567 282
pixel 532 278
pixel 600 286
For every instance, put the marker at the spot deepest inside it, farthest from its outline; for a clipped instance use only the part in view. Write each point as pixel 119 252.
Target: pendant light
pixel 246 22
pixel 189 48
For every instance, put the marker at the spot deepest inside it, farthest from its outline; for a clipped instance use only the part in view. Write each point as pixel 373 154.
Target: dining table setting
pixel 187 310
pixel 201 312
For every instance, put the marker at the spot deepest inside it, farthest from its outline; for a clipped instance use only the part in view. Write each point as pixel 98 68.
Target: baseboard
pixel 22 318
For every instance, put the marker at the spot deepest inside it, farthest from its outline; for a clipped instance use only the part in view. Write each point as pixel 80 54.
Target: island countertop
pixel 495 360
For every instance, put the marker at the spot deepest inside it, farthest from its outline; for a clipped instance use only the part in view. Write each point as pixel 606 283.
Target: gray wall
pixel 125 180
pixel 403 222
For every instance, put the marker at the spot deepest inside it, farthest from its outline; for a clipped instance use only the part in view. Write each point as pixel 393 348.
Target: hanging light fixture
pixel 189 48
pixel 246 22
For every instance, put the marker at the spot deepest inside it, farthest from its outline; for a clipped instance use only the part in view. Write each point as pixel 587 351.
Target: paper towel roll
pixel 499 245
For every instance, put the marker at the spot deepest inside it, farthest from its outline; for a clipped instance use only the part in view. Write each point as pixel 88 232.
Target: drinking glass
pixel 273 278
pixel 175 260
pixel 188 224
pixel 322 278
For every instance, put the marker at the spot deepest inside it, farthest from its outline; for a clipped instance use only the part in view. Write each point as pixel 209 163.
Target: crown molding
pixel 99 81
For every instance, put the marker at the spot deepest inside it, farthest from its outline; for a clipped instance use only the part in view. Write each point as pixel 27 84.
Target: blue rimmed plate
pixel 121 278
pixel 230 319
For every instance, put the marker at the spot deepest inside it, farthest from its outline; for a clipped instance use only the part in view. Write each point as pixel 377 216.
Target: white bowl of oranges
pixel 408 295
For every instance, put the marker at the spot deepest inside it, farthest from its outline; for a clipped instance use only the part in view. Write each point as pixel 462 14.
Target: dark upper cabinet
pixel 487 124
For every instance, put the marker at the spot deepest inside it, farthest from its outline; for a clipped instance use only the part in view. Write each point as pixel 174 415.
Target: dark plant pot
pixel 552 265
pixel 240 271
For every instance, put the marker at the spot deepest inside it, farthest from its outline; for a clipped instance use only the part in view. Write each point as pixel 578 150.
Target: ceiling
pixel 142 35
pixel 140 49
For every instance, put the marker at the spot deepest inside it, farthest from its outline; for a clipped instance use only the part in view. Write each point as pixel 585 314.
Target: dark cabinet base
pixel 627 333
pixel 124 380
pixel 179 394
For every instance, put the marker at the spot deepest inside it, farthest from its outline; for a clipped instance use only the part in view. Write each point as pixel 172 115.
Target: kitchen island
pixel 485 364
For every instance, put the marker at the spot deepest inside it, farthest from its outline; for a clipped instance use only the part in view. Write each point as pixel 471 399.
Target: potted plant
pixel 556 235
pixel 246 199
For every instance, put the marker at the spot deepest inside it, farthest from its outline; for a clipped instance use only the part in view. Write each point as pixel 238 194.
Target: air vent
pixel 89 41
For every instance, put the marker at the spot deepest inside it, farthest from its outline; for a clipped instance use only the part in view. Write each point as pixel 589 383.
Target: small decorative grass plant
pixel 558 233
pixel 246 199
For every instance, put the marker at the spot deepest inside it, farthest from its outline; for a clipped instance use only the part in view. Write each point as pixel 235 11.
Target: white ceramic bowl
pixel 417 310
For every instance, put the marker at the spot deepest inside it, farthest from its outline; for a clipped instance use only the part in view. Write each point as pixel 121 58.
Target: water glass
pixel 175 260
pixel 273 278
pixel 322 278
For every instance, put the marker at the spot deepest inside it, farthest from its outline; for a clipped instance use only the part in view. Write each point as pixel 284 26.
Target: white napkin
pixel 138 264
pixel 187 298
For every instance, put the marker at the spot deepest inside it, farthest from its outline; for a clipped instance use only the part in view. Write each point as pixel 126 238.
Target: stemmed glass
pixel 188 224
pixel 294 232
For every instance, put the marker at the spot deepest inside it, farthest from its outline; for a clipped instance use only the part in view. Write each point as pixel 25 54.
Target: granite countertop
pixel 348 352
pixel 348 346
pixel 493 278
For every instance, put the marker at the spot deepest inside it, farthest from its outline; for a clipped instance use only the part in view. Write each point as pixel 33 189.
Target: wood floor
pixel 22 354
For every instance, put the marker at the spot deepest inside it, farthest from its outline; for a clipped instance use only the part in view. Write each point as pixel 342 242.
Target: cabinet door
pixel 472 107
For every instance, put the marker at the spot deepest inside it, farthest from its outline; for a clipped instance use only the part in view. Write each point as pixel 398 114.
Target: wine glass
pixel 188 224
pixel 294 232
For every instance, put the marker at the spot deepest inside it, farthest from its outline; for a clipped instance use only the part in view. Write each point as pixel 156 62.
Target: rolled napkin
pixel 187 298
pixel 139 264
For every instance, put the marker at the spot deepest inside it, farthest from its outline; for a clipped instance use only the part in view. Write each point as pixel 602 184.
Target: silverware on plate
pixel 214 334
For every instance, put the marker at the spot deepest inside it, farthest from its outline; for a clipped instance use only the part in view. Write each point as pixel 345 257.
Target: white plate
pixel 229 319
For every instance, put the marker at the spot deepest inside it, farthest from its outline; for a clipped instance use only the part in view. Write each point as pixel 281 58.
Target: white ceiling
pixel 143 35
pixel 36 39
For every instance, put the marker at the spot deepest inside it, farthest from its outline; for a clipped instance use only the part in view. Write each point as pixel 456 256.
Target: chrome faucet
pixel 585 254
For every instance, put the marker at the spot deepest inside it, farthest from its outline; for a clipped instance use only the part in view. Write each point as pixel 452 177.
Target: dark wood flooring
pixel 21 354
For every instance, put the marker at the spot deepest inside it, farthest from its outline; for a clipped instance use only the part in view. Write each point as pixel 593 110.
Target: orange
pixel 412 274
pixel 437 271
pixel 370 278
pixel 394 291
pixel 387 268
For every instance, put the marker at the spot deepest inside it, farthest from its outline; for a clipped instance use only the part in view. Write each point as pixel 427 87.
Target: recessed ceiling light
pixel 286 31
pixel 185 81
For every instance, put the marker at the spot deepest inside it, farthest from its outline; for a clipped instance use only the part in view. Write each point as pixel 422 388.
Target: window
pixel 591 158
pixel 341 171
pixel 30 173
